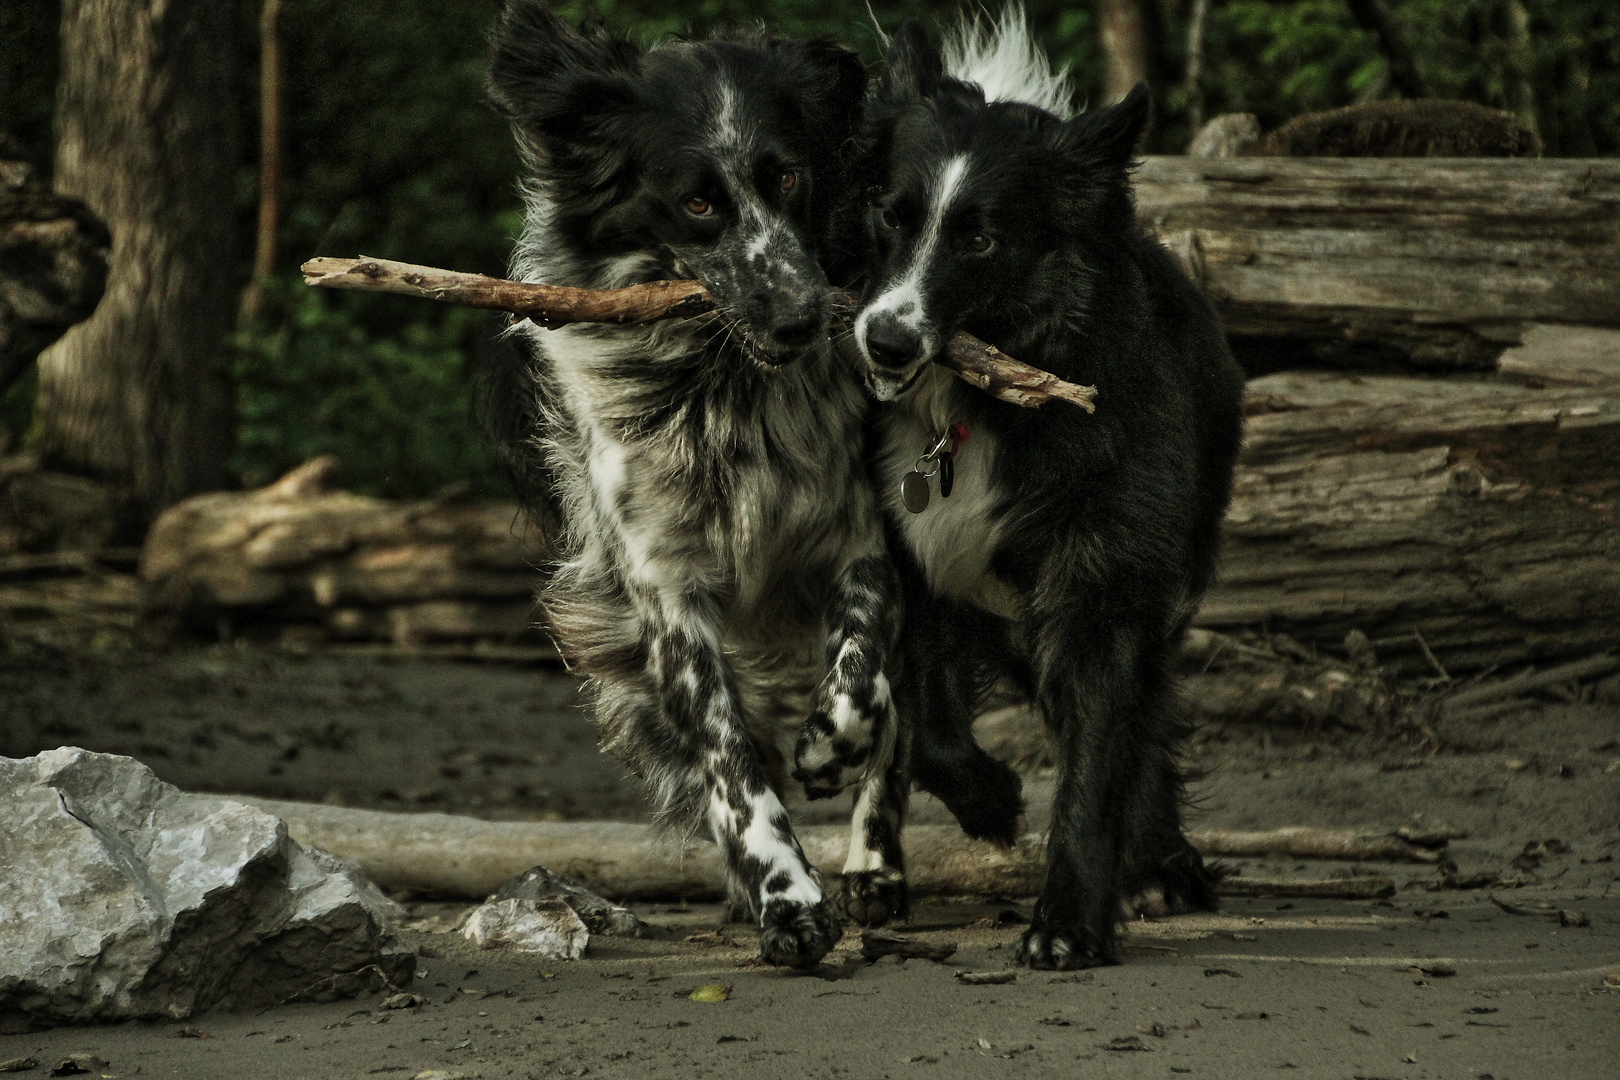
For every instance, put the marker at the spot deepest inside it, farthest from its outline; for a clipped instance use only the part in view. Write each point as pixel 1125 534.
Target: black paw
pixel 1065 948
pixel 798 935
pixel 825 760
pixel 874 897
pixel 1179 884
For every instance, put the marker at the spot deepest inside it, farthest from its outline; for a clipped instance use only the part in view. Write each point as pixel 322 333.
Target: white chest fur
pixel 955 538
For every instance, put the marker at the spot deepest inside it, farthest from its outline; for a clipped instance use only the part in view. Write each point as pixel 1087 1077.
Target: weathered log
pixel 445 855
pixel 53 263
pixel 1431 262
pixel 348 567
pixel 1474 518
pixel 985 366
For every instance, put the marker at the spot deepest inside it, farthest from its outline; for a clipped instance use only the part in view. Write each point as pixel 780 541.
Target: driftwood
pixel 445 855
pixel 983 365
pixel 1433 262
pixel 53 263
pixel 1469 523
pixel 313 563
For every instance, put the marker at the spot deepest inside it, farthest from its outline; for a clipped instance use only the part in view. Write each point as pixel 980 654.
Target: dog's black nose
pixel 890 344
pixel 796 329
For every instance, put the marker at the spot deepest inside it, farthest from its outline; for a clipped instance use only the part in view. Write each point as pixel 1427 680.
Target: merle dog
pixel 1073 549
pixel 722 578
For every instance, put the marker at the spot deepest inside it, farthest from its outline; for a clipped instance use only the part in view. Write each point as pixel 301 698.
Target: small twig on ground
pixel 1302 842
pixel 1358 888
pixel 331 981
pixel 1486 699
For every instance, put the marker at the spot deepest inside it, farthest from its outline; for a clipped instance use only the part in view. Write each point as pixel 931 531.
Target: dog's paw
pixel 827 759
pixel 1048 947
pixel 798 935
pixel 874 897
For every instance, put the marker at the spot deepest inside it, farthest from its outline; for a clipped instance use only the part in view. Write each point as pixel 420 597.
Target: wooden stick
pixel 1356 888
pixel 985 366
pixel 547 305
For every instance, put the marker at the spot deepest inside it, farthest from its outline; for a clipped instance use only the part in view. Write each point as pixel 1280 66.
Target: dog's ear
pixel 913 67
pixel 832 80
pixel 553 81
pixel 1107 138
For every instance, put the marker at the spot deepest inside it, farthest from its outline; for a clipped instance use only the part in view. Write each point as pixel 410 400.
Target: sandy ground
pixel 1318 988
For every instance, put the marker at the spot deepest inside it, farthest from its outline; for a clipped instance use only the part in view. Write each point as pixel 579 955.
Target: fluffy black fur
pixel 1075 547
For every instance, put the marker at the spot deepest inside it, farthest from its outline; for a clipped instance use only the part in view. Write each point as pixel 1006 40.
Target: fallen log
pixel 1469 523
pixel 985 366
pixel 1435 263
pixel 450 856
pixel 311 562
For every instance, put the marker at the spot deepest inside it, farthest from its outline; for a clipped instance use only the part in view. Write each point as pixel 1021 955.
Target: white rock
pixel 121 897
pixel 548 927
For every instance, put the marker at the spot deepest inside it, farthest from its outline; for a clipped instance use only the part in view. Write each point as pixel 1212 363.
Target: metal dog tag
pixel 914 491
pixel 947 476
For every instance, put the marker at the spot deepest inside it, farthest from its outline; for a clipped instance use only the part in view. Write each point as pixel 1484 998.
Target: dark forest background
pixel 389 151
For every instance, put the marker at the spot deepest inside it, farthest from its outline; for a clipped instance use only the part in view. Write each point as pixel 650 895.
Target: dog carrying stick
pixel 985 366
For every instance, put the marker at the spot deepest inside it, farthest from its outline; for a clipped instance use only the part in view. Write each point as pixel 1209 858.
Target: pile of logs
pixel 302 563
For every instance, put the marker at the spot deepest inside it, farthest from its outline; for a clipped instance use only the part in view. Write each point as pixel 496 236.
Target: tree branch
pixel 985 366
pixel 1403 73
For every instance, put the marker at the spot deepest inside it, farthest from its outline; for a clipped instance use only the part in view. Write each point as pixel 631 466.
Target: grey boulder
pixel 123 897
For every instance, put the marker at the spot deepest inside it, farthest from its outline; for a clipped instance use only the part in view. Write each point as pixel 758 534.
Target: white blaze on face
pixel 904 299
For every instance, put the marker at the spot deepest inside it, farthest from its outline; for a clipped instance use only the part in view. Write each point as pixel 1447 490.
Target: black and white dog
pixel 1072 549
pixel 723 580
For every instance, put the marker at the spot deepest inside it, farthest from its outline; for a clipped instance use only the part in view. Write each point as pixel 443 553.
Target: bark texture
pixel 309 563
pixel 146 140
pixel 1431 263
pixel 53 264
pixel 1476 517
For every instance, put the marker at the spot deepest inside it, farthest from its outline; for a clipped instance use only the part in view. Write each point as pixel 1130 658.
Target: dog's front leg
pixel 766 867
pixel 852 736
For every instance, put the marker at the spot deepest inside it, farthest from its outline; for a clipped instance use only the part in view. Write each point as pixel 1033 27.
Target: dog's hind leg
pixel 948 649
pixel 706 742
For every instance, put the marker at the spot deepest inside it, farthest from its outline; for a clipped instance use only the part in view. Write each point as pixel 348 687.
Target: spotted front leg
pixel 706 741
pixel 849 738
pixel 874 886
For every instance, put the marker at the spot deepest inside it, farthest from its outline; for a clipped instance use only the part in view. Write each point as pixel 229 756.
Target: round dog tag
pixel 914 491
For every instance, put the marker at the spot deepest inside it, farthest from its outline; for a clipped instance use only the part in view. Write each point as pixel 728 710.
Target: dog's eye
pixel 890 219
pixel 981 244
pixel 789 180
pixel 699 207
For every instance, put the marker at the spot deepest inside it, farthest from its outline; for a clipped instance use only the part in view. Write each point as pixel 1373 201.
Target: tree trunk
pixel 1429 263
pixel 1478 519
pixel 146 140
pixel 1131 46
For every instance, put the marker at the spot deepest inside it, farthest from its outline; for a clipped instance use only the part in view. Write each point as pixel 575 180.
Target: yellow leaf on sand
pixel 711 993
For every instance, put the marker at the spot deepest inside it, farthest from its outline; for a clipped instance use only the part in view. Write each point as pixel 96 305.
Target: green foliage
pixel 393 406
pixel 389 151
